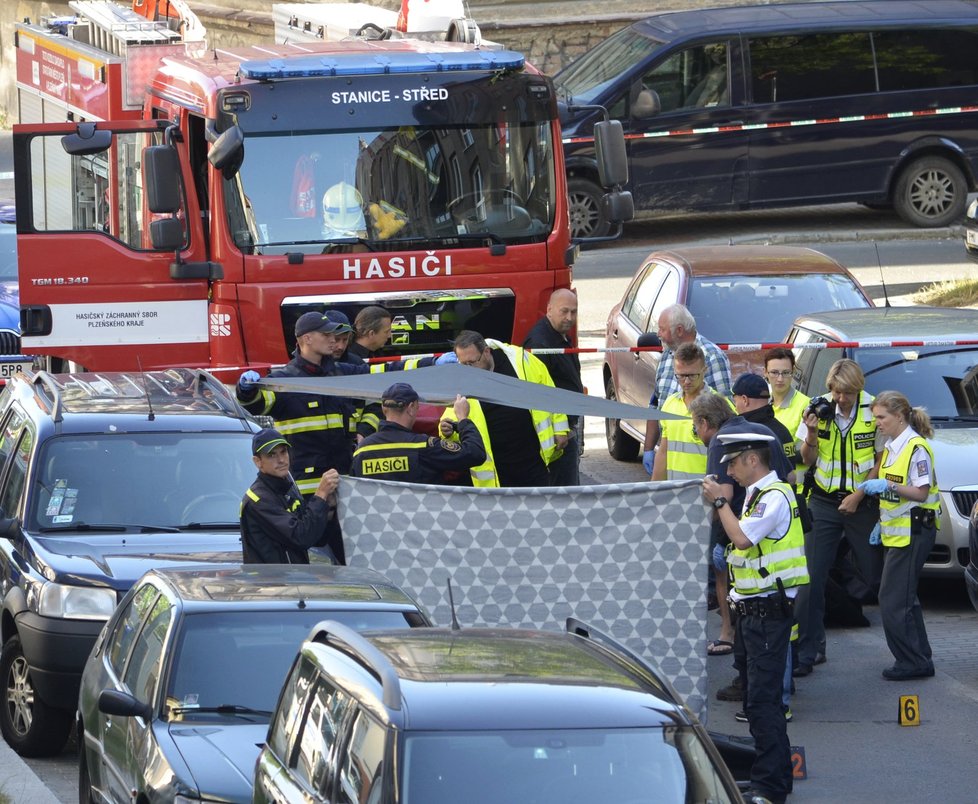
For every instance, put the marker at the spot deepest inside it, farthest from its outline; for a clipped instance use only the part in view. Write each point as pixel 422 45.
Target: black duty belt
pixel 832 496
pixel 762 607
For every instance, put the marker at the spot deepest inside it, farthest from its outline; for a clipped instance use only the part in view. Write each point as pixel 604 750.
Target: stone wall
pixel 549 32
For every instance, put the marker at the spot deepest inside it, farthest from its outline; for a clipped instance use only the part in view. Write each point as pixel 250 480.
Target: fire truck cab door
pixel 93 290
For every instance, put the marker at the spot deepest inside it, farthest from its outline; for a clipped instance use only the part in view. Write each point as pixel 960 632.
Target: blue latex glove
pixel 448 357
pixel 874 534
pixel 648 460
pixel 247 381
pixel 719 557
pixel 875 486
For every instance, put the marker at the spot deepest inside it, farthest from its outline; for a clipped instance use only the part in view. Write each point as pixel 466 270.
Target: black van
pixel 874 101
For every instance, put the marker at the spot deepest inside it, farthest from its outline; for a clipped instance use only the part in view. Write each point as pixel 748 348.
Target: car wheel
pixel 621 445
pixel 30 726
pixel 84 780
pixel 931 191
pixel 585 205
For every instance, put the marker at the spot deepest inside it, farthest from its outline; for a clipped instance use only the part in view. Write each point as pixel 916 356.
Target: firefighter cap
pixel 264 441
pixel 399 395
pixel 330 321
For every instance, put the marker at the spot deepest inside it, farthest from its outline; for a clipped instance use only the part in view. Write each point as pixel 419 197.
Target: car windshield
pixel 395 188
pixel 233 661
pixel 663 765
pixel 140 481
pixel 585 79
pixel 942 380
pixel 765 306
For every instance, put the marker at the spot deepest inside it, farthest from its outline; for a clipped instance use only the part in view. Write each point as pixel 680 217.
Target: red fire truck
pixel 184 205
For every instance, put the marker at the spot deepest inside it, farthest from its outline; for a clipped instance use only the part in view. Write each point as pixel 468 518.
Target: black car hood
pixel 119 559
pixel 221 757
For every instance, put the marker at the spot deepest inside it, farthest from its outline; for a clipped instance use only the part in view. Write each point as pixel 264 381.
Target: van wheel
pixel 30 726
pixel 585 205
pixel 621 446
pixel 931 191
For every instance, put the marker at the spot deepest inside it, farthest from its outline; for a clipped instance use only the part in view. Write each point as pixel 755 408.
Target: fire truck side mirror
pixel 87 140
pixel 609 149
pixel 227 152
pixel 167 234
pixel 161 169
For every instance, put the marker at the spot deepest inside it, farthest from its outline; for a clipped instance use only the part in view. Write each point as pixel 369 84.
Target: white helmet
pixel 343 210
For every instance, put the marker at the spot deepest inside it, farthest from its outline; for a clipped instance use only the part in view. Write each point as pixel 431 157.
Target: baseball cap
pixel 753 386
pixel 330 321
pixel 400 393
pixel 266 440
pixel 741 440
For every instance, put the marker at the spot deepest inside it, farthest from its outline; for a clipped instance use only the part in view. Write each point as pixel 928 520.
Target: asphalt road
pixel 845 714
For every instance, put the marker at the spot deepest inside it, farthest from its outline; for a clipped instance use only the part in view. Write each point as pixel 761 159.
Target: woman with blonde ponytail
pixel 909 513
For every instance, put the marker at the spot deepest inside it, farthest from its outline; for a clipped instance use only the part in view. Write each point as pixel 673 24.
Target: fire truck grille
pixel 9 343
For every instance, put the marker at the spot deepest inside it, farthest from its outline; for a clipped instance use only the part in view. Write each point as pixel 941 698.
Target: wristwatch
pixel 719 502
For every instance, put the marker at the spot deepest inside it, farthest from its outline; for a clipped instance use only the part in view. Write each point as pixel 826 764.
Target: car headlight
pixel 75 602
pixel 972 211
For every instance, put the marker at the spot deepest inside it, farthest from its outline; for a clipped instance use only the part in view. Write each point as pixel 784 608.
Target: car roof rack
pixel 53 401
pixel 589 632
pixel 367 654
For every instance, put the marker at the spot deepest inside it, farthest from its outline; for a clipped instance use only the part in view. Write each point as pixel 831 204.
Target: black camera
pixel 823 409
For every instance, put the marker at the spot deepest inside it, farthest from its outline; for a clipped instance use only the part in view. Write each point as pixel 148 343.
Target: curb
pixel 18 782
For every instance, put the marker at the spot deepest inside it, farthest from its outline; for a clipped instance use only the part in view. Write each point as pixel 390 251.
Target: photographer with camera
pixel 839 437
pixel 909 509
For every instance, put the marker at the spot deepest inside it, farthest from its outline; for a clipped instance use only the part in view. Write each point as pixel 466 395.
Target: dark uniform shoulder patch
pixel 449 446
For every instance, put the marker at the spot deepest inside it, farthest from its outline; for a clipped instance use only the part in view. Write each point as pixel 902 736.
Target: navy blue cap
pixel 753 386
pixel 330 321
pixel 266 440
pixel 400 393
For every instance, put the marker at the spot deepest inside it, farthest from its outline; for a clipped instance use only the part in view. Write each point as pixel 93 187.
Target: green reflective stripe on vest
pixel 371 420
pixel 381 368
pixel 757 570
pixel 306 424
pixel 790 416
pixel 391 445
pixel 828 464
pixel 895 510
pixel 307 486
pixel 685 453
pixel 483 475
pixel 252 495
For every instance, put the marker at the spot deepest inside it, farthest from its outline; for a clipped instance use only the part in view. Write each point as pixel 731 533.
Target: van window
pixel 799 67
pixel 586 78
pixel 319 731
pixel 926 59
pixel 692 78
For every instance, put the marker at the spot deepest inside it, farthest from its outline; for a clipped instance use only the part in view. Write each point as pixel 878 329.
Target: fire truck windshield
pixel 393 188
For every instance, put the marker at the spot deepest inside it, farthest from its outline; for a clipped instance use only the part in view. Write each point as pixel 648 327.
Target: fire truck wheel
pixel 585 200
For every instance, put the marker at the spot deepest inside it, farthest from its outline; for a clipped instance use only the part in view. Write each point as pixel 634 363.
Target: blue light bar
pixel 337 64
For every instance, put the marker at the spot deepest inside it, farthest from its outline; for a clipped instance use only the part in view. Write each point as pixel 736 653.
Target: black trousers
pixel 903 619
pixel 765 642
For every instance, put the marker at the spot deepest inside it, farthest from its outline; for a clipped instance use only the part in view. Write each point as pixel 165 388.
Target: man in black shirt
pixel 553 331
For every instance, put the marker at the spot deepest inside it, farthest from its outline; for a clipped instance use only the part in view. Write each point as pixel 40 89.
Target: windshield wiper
pixel 449 239
pixel 208 525
pixel 84 526
pixel 964 417
pixel 223 709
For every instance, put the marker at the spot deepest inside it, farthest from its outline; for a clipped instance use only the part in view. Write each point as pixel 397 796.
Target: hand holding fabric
pixel 248 381
pixel 448 357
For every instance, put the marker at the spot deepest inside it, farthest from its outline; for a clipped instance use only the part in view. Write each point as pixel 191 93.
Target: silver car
pixel 927 365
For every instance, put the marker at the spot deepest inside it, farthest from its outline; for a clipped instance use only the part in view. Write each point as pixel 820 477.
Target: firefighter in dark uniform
pixel 767 565
pixel 394 452
pixel 277 525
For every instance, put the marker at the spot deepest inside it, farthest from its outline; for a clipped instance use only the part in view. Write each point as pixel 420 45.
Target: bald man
pixel 554 331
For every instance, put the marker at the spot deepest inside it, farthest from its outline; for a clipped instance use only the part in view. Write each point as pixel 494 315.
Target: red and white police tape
pixel 819 121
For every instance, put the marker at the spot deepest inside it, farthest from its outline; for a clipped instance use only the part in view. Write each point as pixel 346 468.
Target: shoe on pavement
pixel 802 670
pixel 820 658
pixel 732 692
pixel 760 797
pixel 896 674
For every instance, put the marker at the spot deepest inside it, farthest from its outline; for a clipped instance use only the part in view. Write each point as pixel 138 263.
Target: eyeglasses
pixel 775 373
pixel 689 377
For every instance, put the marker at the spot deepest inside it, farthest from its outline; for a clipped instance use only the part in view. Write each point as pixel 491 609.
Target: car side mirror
pixel 122 704
pixel 9 527
pixel 649 339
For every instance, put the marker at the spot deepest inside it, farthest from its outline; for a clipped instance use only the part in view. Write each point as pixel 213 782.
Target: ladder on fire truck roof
pixel 114 28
